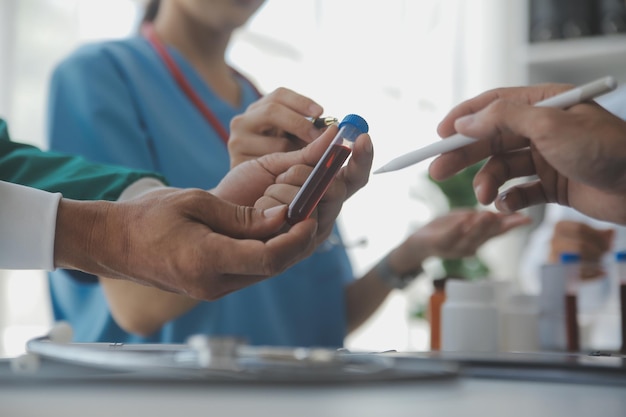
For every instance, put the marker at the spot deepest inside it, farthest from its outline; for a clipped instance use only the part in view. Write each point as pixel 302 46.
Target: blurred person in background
pixel 169 101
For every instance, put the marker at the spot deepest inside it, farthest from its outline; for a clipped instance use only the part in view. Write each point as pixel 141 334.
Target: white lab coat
pixel 27 227
pixel 604 330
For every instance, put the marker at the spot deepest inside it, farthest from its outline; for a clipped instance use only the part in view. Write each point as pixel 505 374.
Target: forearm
pixel 85 241
pixel 80 237
pixel 138 308
pixel 141 309
pixel 365 295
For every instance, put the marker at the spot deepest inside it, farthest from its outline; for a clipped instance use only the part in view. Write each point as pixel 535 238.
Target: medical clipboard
pixel 229 359
pixel 223 360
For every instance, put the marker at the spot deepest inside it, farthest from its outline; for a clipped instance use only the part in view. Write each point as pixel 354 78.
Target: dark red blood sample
pixel 318 182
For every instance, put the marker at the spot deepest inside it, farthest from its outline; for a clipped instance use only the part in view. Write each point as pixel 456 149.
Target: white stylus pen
pixel 566 99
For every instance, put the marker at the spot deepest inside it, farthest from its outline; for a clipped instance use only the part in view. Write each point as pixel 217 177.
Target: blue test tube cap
pixel 568 257
pixel 356 121
pixel 620 256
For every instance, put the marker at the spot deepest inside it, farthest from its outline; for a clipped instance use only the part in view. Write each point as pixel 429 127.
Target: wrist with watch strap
pixel 392 278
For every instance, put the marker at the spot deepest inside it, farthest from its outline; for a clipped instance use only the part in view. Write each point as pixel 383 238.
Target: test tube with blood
pixel 326 169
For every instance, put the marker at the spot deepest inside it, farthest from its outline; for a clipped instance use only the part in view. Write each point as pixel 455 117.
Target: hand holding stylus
pixel 575 157
pixel 562 101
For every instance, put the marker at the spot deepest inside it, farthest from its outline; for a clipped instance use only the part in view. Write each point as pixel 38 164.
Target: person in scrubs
pixel 165 101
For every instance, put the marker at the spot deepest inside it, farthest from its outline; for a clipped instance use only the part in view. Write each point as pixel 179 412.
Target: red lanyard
pixel 152 37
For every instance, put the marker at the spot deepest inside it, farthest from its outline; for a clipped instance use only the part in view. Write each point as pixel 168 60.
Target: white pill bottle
pixel 469 317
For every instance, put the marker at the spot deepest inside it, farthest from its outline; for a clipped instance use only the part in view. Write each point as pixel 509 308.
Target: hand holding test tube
pixel 324 172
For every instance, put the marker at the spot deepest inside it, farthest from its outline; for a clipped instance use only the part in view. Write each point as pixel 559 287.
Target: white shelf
pixel 577 60
pixel 577 50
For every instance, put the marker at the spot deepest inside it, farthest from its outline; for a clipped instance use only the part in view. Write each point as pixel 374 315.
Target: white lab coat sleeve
pixel 27 227
pixel 536 253
pixel 28 223
pixel 538 247
pixel 139 187
pixel 615 102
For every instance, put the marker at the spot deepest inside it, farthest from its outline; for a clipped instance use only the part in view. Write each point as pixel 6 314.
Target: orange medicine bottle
pixel 434 312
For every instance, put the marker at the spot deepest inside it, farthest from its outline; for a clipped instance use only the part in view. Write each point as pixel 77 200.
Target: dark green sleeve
pixel 72 176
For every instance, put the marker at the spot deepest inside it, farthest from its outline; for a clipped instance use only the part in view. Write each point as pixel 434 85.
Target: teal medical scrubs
pixel 115 102
pixel 72 176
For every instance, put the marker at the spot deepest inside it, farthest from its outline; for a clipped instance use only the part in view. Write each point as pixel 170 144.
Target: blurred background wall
pixel 402 64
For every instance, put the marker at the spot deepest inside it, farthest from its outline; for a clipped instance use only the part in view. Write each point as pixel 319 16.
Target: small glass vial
pixel 326 169
pixel 620 267
pixel 572 262
pixel 436 300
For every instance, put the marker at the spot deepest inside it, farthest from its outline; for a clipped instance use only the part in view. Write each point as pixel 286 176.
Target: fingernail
pixel 523 216
pixel 315 109
pixel 504 203
pixel 464 122
pixel 274 211
pixel 369 147
pixel 477 191
pixel 516 219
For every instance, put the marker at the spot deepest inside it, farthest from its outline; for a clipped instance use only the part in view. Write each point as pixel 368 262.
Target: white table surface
pixel 459 396
pixel 462 397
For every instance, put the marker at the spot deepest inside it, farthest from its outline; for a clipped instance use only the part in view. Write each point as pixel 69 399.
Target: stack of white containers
pixel 487 316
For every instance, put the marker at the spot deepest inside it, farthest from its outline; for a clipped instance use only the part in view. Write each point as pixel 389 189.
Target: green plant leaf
pixel 458 188
pixel 470 268
pixel 459 192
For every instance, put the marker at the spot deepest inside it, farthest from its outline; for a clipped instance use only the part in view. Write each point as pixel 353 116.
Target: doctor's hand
pixel 577 237
pixel 274 179
pixel 275 123
pixel 457 234
pixel 578 155
pixel 590 243
pixel 184 241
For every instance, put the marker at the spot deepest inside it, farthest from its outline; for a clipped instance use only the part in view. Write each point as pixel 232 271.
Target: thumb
pixel 237 221
pixel 280 162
